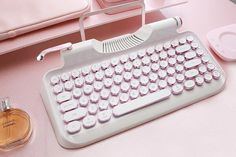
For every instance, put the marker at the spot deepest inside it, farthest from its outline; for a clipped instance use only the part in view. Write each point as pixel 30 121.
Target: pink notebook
pixel 22 16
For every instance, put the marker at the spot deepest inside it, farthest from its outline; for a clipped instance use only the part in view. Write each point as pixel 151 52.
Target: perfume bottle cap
pixel 5 104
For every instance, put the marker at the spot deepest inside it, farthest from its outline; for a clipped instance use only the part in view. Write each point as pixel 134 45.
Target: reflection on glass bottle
pixel 15 126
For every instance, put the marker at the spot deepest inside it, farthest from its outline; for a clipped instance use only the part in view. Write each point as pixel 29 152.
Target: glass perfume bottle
pixel 15 126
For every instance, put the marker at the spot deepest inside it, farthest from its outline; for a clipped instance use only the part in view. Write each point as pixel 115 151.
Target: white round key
pixel 119 69
pixel 166 45
pixel 137 73
pixel 162 84
pixel 118 79
pixel 105 64
pixel 171 53
pixel 113 101
pixel 77 93
pixel 216 74
pixel 115 90
pixel 109 72
pixel 190 39
pixel 150 50
pixel 162 74
pixel 152 87
pixel 141 53
pixel 180 59
pixel 199 81
pixel 179 68
pixel 54 80
pixel 79 82
pixel 205 59
pixel 163 64
pixel 127 76
pixel 143 90
pixel 85 71
pixel 179 78
pixel 99 75
pixel 182 41
pixel 88 89
pixel 189 84
pixel 103 105
pixel 89 121
pixel 134 84
pixel 170 71
pixel 199 52
pixel 94 97
pixel 154 58
pixel 133 56
pixel 163 55
pixel 210 67
pixel 177 89
pixel 202 69
pixel 134 94
pixel 69 85
pixel 194 45
pixel 124 97
pixel 174 43
pixel 207 77
pixel 89 79
pixel 159 48
pixel 146 60
pixel 172 61
pixel 92 109
pixel 137 63
pixel 146 70
pixel 97 86
pixel 115 61
pixel 144 80
pixel 104 116
pixel 107 82
pixel 124 59
pixel 171 81
pixel 153 77
pixel 75 73
pixel 83 101
pixel 96 67
pixel 155 67
pixel 73 127
pixel 124 87
pixel 57 89
pixel 104 94
pixel 128 66
pixel 65 77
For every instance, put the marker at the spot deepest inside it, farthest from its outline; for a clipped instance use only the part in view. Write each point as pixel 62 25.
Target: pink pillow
pixel 21 16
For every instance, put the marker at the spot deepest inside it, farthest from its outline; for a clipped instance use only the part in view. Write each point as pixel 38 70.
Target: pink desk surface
pixel 205 129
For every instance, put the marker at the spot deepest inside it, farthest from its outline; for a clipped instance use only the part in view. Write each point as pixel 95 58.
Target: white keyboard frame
pixel 90 51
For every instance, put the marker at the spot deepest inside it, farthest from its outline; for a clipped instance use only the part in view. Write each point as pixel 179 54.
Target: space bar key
pixel 141 102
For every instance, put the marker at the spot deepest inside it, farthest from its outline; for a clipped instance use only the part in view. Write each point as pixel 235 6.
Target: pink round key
pixel 124 58
pixel 170 71
pixel 88 89
pixel 128 66
pixel 119 69
pixel 75 73
pixel 89 79
pixel 113 101
pixel 155 67
pixel 105 64
pixel 180 78
pixel 94 97
pixel 152 87
pixel 150 50
pixel 159 48
pixel 133 56
pixel 85 70
pixel 57 89
pixel 77 93
pixel 65 77
pixel 137 63
pixel 115 61
pixel 95 67
pixel 146 60
pixel 162 84
pixel 143 80
pixel 146 70
pixel 69 85
pixel 109 72
pixel 153 77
